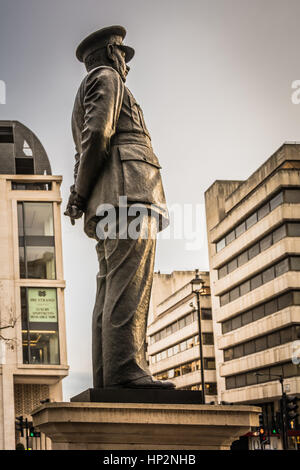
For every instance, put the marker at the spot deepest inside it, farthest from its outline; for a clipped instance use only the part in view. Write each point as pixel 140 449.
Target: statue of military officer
pixel 115 162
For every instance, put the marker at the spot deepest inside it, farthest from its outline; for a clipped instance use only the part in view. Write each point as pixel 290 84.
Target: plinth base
pixel 127 395
pixel 145 426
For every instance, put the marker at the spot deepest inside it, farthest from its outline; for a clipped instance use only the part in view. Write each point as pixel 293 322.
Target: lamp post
pixel 198 289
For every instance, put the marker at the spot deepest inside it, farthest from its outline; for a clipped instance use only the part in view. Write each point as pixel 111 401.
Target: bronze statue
pixel 115 162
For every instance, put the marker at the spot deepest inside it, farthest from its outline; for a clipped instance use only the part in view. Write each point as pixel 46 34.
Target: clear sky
pixel 213 78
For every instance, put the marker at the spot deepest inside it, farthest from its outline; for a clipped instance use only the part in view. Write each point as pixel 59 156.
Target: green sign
pixel 42 305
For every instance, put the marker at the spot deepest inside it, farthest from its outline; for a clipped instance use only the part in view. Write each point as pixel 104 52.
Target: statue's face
pixel 120 63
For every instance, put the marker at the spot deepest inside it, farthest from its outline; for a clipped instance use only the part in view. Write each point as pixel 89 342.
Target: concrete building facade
pixel 173 333
pixel 33 358
pixel 253 231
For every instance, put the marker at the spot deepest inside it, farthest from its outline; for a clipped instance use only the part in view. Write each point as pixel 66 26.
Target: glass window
pixel 238 351
pixel 189 319
pixel 175 327
pixel 251 378
pixel 183 346
pixel 258 312
pixel 240 229
pixel 292 195
pixel 256 281
pixel 228 354
pixel 190 342
pixel 206 314
pixel 296 297
pixel 264 376
pixel 286 335
pixel 195 365
pixel 230 237
pixel 266 242
pixel 220 245
pixel 40 262
pixel 36 240
pixel 295 263
pixel 271 307
pixel 236 322
pixel 163 333
pixel 163 354
pixel 234 294
pixel 177 372
pixel 290 370
pixel 224 299
pixel 274 339
pixel 263 211
pixel 285 300
pixel 245 288
pixel 176 349
pixel 38 219
pixel 169 330
pixel 249 347
pixel 261 343
pixel 242 258
pixel 268 274
pixel 293 230
pixel 222 272
pixel 251 220
pixel 209 363
pixel 230 382
pixel 282 267
pixel 253 251
pixel 232 265
pixel 279 233
pixel 208 338
pixel 211 389
pixel 171 374
pixel 170 352
pixel 276 201
pixel 247 317
pixel 182 323
pixel 240 380
pixel 186 369
pixel 226 326
pixel 39 326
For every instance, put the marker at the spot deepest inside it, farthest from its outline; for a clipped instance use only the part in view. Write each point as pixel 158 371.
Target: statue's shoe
pixel 147 382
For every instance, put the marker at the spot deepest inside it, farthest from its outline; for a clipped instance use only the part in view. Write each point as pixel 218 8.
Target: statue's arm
pixel 103 96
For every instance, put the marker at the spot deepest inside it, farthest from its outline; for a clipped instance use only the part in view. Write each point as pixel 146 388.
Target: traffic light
pixel 261 428
pixel 33 432
pixel 20 425
pixel 291 410
pixel 276 423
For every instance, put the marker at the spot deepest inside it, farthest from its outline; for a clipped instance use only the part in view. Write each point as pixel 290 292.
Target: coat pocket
pixel 141 171
pixel 138 153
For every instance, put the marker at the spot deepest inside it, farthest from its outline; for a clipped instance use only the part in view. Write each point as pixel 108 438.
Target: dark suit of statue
pixel 106 116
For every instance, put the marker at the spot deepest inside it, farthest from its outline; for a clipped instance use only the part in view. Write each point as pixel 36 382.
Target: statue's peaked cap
pixel 100 39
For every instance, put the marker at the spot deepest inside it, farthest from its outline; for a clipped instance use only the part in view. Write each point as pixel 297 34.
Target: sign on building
pixel 42 305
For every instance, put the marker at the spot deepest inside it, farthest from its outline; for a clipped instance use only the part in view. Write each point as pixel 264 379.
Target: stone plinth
pixel 133 426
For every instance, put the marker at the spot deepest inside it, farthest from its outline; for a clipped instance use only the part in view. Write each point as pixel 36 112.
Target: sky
pixel 214 79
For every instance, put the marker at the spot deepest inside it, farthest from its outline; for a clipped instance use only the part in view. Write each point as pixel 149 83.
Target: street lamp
pixel 199 289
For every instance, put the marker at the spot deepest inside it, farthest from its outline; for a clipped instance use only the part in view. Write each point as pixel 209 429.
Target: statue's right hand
pixel 73 212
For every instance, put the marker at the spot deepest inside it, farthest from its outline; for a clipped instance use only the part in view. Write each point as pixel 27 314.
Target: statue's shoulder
pixel 103 71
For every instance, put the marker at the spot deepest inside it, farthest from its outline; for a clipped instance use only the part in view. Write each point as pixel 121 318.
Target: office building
pixel 173 333
pixel 33 358
pixel 253 231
